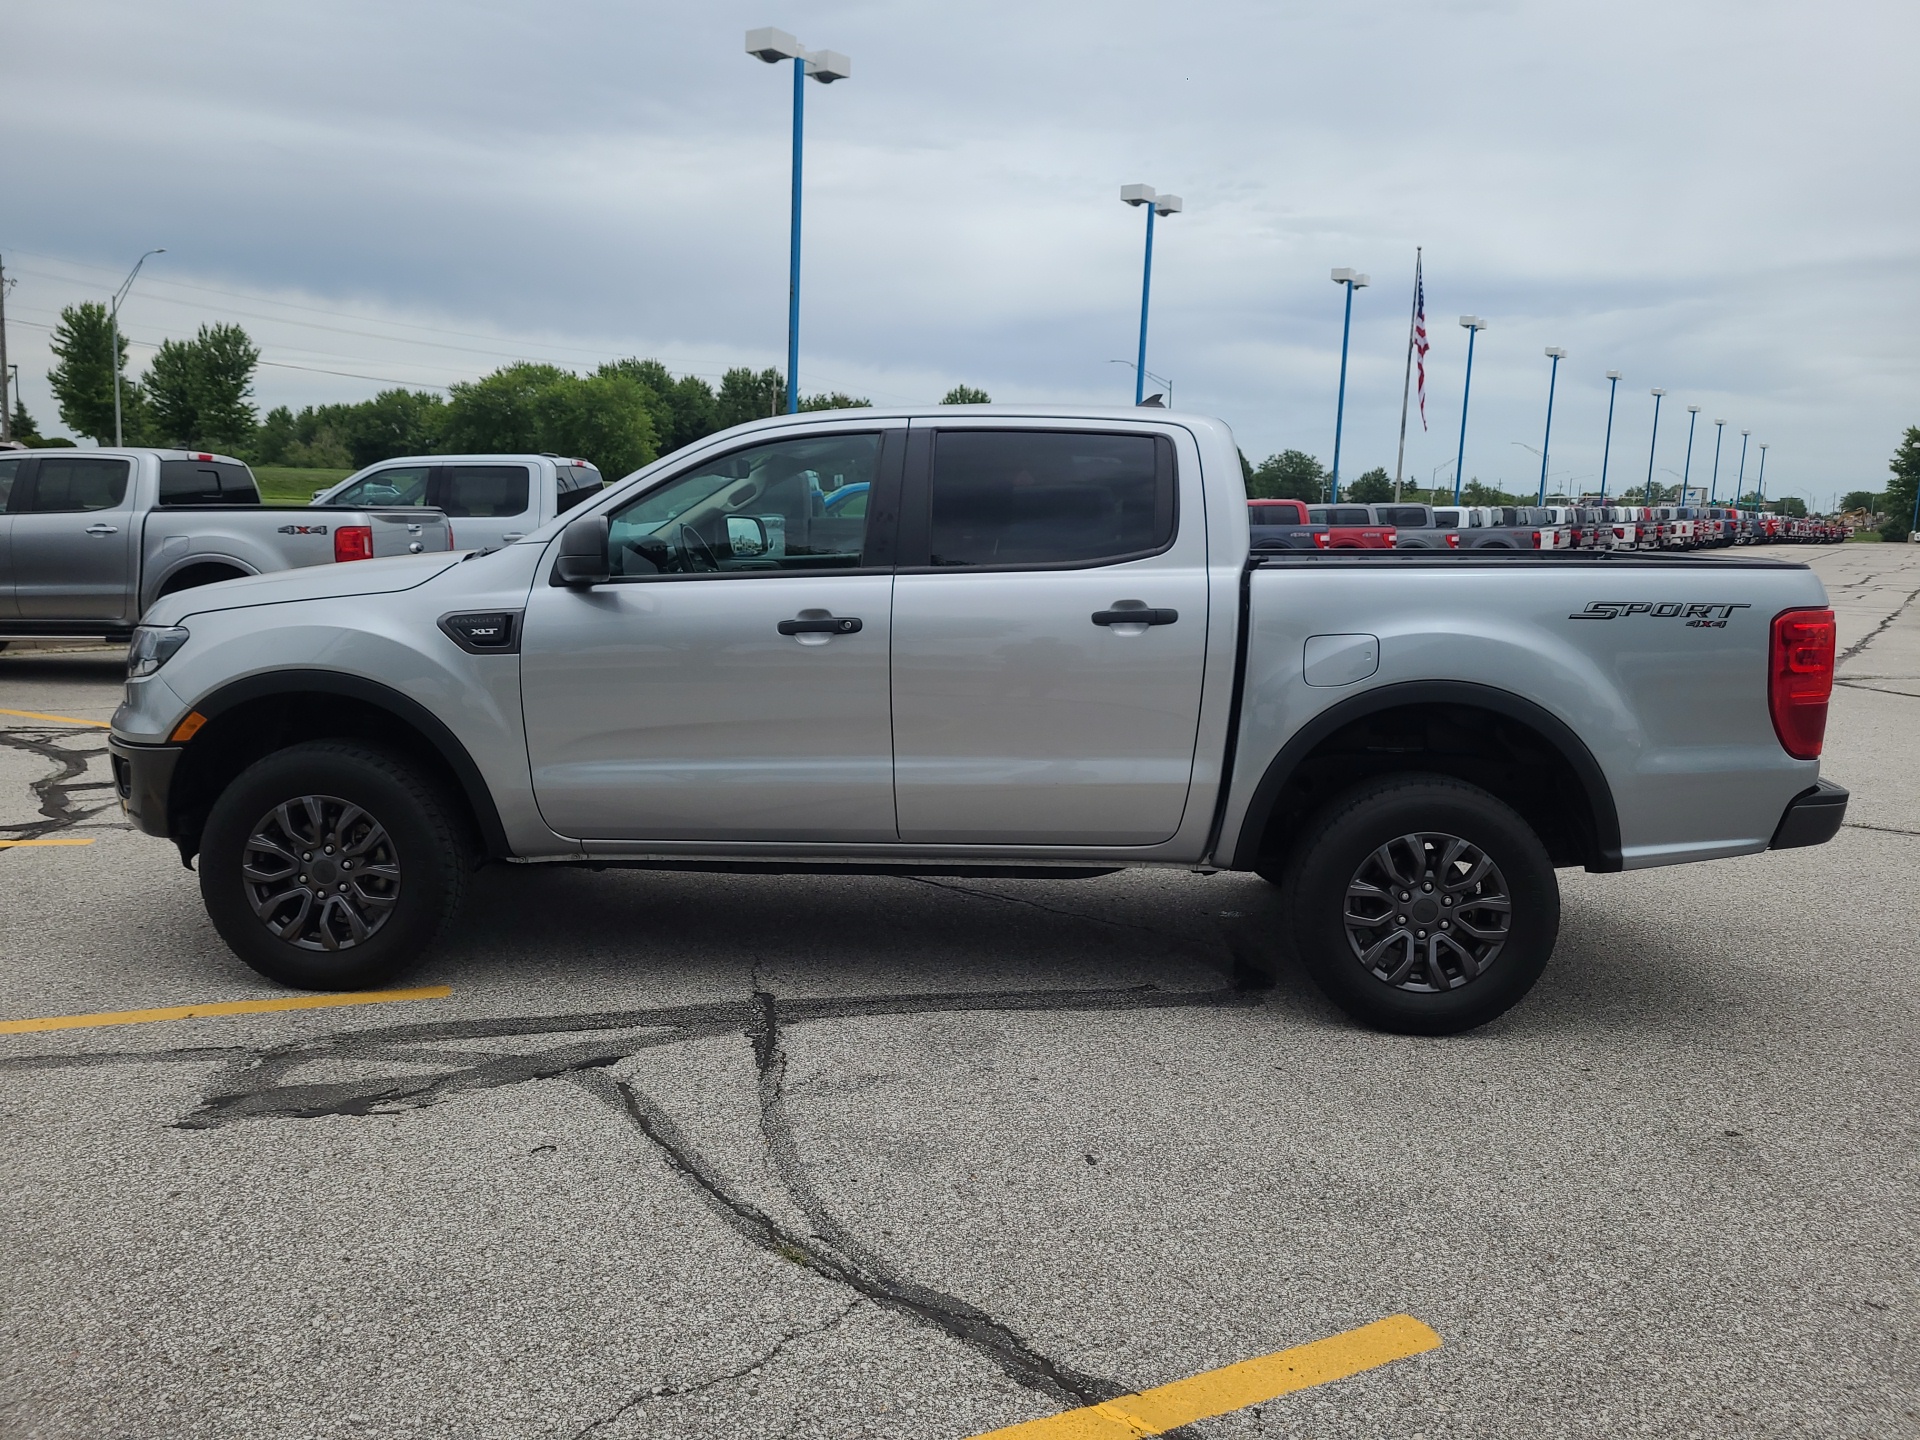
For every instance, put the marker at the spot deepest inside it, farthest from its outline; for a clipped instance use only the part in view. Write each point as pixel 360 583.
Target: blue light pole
pixel 1606 452
pixel 1555 354
pixel 1693 415
pixel 1156 205
pixel 1653 444
pixel 1353 280
pixel 1740 483
pixel 1719 429
pixel 826 66
pixel 1474 325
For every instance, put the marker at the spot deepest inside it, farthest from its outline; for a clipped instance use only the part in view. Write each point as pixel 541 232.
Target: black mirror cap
pixel 583 554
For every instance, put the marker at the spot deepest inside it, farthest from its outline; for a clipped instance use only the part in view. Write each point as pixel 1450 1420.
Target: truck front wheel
pixel 1421 904
pixel 332 865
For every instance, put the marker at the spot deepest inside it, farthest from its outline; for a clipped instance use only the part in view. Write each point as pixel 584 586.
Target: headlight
pixel 152 647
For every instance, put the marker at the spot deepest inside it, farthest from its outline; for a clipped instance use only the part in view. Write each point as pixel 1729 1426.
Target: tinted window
pixel 1276 512
pixel 8 469
pixel 78 483
pixel 573 484
pixel 400 485
pixel 1414 517
pixel 1036 497
pixel 483 490
pixel 752 511
pixel 1341 515
pixel 1446 519
pixel 206 482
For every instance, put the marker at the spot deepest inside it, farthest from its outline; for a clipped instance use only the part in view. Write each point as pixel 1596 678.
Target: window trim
pixel 916 524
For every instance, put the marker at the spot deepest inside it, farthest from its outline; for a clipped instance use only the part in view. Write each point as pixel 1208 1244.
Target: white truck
pixel 491 500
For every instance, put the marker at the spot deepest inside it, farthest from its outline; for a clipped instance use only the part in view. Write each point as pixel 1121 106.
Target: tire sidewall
pixel 378 783
pixel 1369 816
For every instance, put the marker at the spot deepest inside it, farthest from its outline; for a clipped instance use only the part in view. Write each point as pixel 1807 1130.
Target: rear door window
pixel 482 490
pixel 68 483
pixel 397 485
pixel 1411 517
pixel 9 468
pixel 1040 497
pixel 1350 515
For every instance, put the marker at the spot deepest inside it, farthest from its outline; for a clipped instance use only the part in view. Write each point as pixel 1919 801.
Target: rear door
pixel 1028 707
pixel 489 505
pixel 73 528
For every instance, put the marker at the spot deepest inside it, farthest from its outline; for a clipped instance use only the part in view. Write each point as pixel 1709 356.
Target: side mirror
pixel 583 554
pixel 746 535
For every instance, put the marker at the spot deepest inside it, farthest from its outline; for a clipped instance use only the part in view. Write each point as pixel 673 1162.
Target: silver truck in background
pixel 90 538
pixel 490 500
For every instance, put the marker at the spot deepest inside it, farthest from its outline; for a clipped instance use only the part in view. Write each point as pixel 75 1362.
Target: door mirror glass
pixel 747 534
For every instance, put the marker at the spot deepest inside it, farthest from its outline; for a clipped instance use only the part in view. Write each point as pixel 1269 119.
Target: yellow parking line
pixel 1233 1387
pixel 16 844
pixel 60 719
pixel 220 1007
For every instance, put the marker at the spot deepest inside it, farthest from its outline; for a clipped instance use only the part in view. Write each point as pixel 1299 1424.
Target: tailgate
pixel 409 530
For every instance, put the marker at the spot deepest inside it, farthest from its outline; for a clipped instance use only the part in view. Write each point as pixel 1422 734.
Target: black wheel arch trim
pixel 402 707
pixel 1572 749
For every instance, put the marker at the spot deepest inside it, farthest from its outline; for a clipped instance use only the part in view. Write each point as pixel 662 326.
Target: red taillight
pixel 1323 539
pixel 353 542
pixel 1536 539
pixel 1800 680
pixel 1453 540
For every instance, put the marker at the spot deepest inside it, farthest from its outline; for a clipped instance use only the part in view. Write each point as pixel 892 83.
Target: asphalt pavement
pixel 694 1155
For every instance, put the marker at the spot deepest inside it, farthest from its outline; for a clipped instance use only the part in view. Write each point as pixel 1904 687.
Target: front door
pixel 1049 636
pixel 730 681
pixel 72 546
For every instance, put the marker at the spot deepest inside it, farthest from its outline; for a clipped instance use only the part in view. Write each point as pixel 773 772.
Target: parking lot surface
pixel 698 1155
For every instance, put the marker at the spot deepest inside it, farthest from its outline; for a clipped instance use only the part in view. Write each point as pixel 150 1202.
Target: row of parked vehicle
pixel 1294 524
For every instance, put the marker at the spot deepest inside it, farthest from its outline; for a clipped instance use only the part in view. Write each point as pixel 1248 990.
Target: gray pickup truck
pixel 90 538
pixel 1043 649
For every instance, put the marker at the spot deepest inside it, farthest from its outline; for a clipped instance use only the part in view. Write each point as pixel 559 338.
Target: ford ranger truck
pixel 1043 648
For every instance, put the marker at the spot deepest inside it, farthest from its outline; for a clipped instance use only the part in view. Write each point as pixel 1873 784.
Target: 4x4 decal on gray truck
pixel 315 529
pixel 1699 615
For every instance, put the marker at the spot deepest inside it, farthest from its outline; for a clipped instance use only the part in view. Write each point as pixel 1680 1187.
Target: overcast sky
pixel 1719 199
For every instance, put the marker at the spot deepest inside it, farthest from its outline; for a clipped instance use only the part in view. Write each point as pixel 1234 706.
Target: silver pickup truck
pixel 90 538
pixel 490 500
pixel 1044 648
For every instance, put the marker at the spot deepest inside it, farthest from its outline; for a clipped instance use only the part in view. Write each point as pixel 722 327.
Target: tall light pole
pixel 1760 485
pixel 113 323
pixel 826 66
pixel 1606 452
pixel 1474 325
pixel 1353 280
pixel 1740 483
pixel 1719 429
pixel 1693 414
pixel 1653 444
pixel 1156 205
pixel 1555 354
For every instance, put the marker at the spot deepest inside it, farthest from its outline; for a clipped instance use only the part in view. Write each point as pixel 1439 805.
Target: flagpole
pixel 1406 383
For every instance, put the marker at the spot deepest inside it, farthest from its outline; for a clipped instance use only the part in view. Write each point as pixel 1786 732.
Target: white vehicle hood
pixel 312 582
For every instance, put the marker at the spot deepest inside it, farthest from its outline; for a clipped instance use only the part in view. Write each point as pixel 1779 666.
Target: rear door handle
pixel 1140 615
pixel 103 529
pixel 822 625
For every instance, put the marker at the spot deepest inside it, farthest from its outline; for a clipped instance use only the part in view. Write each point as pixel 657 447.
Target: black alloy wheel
pixel 321 873
pixel 1427 913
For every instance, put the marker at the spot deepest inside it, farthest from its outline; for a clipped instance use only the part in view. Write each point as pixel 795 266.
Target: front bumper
pixel 1812 817
pixel 142 777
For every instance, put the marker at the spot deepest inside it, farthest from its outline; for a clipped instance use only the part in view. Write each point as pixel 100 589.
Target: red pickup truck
pixel 1350 527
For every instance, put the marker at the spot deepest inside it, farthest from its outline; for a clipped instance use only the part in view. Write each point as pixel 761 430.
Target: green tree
pixel 394 422
pixel 1372 488
pixel 746 395
pixel 1290 475
pixel 1791 505
pixel 1475 493
pixel 837 400
pixel 970 395
pixel 23 428
pixel 1860 500
pixel 197 390
pixel 605 418
pixel 82 377
pixel 1899 498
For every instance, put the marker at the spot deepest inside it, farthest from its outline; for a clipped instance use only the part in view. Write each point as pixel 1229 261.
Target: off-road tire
pixel 1338 849
pixel 426 840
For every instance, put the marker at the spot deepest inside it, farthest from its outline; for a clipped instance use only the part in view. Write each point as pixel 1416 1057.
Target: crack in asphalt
pixel 56 793
pixel 1883 829
pixel 1874 634
pixel 1877 689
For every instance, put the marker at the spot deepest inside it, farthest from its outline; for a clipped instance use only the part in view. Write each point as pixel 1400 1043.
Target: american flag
pixel 1420 337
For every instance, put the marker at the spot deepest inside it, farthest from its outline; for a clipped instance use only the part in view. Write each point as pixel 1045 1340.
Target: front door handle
pixel 821 625
pixel 103 529
pixel 1135 615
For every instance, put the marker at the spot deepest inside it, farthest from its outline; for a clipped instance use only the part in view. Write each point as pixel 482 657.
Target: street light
pixel 826 66
pixel 1613 388
pixel 1719 429
pixel 1156 205
pixel 1760 485
pixel 113 321
pixel 1654 442
pixel 1693 414
pixel 1353 280
pixel 1474 325
pixel 1740 483
pixel 1151 375
pixel 1555 354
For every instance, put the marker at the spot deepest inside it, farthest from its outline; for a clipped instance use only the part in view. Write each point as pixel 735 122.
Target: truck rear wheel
pixel 332 865
pixel 1421 904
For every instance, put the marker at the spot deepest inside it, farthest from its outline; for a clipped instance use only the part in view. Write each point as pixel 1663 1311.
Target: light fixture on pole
pixel 1740 483
pixel 1555 354
pixel 1606 451
pixel 1693 414
pixel 1653 444
pixel 1156 205
pixel 1719 429
pixel 1474 325
pixel 826 66
pixel 1158 379
pixel 113 323
pixel 1760 485
pixel 1353 280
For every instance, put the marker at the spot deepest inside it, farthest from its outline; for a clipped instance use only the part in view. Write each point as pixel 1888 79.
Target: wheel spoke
pixel 376 835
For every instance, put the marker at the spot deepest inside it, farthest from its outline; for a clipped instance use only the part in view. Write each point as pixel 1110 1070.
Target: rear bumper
pixel 1812 817
pixel 142 777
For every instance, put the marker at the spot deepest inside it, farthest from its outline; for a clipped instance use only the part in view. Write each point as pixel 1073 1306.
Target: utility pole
pixel 6 401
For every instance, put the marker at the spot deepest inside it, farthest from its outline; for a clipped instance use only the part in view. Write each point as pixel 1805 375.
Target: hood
pixel 310 582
